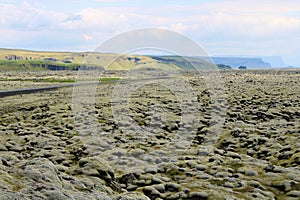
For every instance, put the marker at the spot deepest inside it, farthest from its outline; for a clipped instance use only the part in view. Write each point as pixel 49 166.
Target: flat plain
pixel 147 142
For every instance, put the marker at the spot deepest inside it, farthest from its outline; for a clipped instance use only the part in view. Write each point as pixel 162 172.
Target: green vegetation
pixel 234 165
pixel 109 79
pixel 17 65
pixel 58 80
pixel 189 63
pixel 217 182
pixel 12 59
pixel 36 65
pixel 53 80
pixel 48 80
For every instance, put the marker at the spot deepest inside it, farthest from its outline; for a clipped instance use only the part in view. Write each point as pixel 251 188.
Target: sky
pixel 221 27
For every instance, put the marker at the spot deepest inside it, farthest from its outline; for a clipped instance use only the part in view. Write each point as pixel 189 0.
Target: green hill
pixel 14 59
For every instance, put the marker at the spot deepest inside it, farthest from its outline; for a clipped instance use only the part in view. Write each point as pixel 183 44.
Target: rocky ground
pixel 147 142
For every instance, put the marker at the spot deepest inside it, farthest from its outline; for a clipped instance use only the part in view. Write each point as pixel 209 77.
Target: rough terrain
pixel 49 151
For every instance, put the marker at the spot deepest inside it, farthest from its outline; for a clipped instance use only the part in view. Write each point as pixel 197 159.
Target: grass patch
pixel 52 80
pixel 217 182
pixel 234 165
pixel 38 65
pixel 109 79
pixel 45 80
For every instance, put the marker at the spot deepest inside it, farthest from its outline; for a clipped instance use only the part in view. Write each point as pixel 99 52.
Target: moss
pixel 141 146
pixel 108 79
pixel 48 80
pixel 234 165
pixel 217 182
pixel 52 80
pixel 172 173
pixel 223 138
pixel 296 186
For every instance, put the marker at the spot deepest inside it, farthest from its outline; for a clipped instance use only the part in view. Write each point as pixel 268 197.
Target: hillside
pixel 11 59
pixel 189 63
pixel 23 59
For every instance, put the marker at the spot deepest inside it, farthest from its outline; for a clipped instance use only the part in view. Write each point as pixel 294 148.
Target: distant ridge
pixel 275 61
pixel 263 62
pixel 236 62
pixel 16 59
pixel 21 59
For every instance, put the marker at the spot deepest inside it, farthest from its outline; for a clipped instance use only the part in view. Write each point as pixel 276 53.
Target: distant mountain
pixel 265 62
pixel 275 61
pixel 236 62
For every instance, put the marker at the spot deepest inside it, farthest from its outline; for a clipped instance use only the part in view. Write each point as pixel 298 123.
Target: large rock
pixel 131 196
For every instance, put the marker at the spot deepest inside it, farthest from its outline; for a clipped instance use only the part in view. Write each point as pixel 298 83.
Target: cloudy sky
pixel 221 27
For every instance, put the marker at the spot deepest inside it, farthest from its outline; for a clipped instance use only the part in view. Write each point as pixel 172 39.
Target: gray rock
pixel 254 184
pixel 285 185
pixel 233 155
pixel 151 170
pixel 56 195
pixel 151 192
pixel 173 196
pixel 203 153
pixel 131 196
pixel 156 180
pixel 249 172
pixel 160 188
pixel 293 193
pixel 228 185
pixel 94 166
pixel 3 147
pixel 201 167
pixel 172 187
pixel 198 195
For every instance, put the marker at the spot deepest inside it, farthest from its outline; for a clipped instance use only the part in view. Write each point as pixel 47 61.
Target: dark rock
pixel 198 195
pixel 172 187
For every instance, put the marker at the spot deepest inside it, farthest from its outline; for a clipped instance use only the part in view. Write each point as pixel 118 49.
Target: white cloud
pixel 28 18
pixel 109 1
pixel 221 25
pixel 239 7
pixel 87 37
pixel 91 19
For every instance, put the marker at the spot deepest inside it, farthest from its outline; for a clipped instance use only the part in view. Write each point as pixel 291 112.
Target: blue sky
pixel 221 27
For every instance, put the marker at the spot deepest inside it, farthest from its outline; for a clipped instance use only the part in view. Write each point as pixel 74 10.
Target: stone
pixel 293 193
pixel 172 187
pixel 233 155
pixel 33 174
pixel 228 185
pixel 156 180
pixel 55 195
pixel 201 167
pixel 284 185
pixel 151 170
pixel 173 196
pixel 94 166
pixel 254 184
pixel 131 196
pixel 160 188
pixel 198 195
pixel 249 172
pixel 151 192
pixel 3 147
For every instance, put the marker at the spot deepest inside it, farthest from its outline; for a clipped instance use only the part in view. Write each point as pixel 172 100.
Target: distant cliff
pixel 235 62
pixel 275 61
